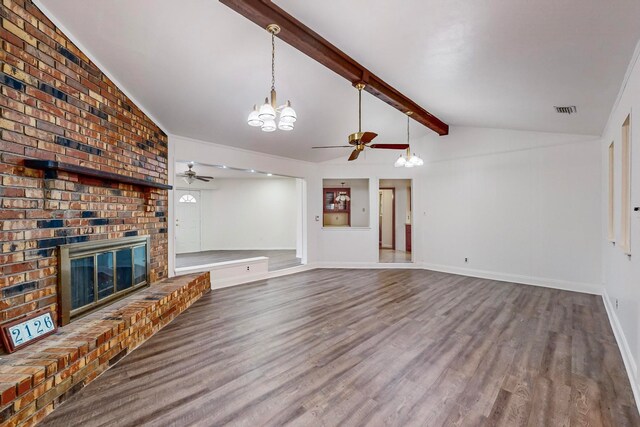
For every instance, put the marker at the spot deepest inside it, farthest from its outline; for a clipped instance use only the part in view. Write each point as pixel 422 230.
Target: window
pixel 187 198
pixel 611 232
pixel 625 190
pixel 345 203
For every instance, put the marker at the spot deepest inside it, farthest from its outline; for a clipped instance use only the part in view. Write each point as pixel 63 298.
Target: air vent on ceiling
pixel 566 110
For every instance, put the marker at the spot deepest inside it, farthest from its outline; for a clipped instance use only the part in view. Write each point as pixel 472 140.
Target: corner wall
pixel 621 273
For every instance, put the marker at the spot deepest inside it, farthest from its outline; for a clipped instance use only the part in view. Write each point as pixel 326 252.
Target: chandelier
pixel 265 117
pixel 342 196
pixel 408 160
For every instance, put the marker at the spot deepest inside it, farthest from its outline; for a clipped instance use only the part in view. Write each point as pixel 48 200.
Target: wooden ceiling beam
pixel 307 41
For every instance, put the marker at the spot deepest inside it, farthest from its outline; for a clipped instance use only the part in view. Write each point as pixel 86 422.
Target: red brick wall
pixel 57 105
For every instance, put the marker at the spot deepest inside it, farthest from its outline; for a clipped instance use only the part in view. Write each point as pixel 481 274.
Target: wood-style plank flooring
pixel 390 255
pixel 370 347
pixel 278 259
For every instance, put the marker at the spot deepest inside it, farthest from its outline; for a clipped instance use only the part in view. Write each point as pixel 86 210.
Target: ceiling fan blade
pixel 205 176
pixel 390 146
pixel 335 146
pixel 181 174
pixel 202 179
pixel 367 137
pixel 354 155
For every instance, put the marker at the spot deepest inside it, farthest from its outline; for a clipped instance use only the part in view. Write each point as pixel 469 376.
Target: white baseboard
pixel 588 288
pixel 623 345
pixel 369 265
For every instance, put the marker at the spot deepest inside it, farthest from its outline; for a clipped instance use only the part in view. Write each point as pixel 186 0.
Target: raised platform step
pixel 227 273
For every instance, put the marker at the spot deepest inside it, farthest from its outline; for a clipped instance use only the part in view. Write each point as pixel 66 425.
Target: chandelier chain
pixel 273 61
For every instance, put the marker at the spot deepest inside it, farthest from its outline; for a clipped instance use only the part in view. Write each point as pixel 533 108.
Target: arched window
pixel 187 198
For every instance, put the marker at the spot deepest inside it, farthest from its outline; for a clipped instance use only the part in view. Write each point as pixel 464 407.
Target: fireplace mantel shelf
pixel 50 165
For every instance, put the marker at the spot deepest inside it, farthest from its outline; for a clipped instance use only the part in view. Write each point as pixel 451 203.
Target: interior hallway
pixel 390 256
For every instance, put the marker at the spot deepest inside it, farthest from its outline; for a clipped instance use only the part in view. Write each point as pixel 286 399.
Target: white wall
pixel 621 273
pixel 188 149
pixel 239 214
pixel 521 206
pixel 527 213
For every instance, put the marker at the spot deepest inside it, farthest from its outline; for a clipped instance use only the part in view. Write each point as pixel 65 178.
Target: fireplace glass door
pixel 95 274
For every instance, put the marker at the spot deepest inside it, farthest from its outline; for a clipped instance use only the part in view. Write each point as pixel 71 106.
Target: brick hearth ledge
pixel 36 379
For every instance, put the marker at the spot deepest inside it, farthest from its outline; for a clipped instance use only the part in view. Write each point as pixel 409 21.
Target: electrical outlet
pixel 248 268
pixel 466 260
pixel 616 303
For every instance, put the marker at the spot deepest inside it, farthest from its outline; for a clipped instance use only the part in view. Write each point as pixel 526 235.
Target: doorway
pixel 188 221
pixel 387 219
pixel 394 221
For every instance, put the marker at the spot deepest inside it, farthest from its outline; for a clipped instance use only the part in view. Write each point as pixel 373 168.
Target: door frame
pixel 393 219
pixel 199 203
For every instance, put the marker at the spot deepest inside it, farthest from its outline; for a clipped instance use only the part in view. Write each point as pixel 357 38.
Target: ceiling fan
pixel 360 140
pixel 190 175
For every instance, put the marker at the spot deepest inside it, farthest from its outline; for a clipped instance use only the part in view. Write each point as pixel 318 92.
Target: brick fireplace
pixel 81 167
pixel 57 106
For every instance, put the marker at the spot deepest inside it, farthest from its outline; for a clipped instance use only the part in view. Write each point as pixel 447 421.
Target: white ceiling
pixel 198 67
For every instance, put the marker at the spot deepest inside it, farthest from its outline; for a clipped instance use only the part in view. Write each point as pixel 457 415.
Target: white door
pixel 188 221
pixel 386 219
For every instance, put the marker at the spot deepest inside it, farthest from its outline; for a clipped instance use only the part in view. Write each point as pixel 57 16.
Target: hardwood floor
pixel 278 259
pixel 390 255
pixel 370 347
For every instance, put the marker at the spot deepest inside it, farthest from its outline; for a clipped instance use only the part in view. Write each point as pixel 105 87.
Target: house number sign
pixel 27 330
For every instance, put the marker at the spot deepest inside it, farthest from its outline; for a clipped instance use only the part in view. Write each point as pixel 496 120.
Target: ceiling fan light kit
pixel 265 117
pixel 360 140
pixel 190 175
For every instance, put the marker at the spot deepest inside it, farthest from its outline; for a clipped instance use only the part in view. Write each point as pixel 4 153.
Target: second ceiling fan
pixel 360 140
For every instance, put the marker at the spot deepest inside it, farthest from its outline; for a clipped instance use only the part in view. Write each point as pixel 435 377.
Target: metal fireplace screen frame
pixel 74 251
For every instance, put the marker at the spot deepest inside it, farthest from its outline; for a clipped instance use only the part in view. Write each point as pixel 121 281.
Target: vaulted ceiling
pixel 198 67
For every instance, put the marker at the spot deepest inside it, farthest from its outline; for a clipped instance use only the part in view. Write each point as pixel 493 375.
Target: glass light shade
pixel 408 165
pixel 189 179
pixel 415 160
pixel 254 119
pixel 342 197
pixel 400 162
pixel 269 126
pixel 282 125
pixel 267 112
pixel 288 114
